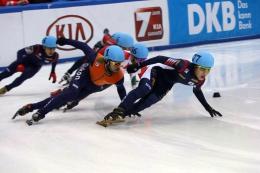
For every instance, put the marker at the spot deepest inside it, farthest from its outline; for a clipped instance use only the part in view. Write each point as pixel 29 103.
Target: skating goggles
pixel 137 60
pixel 114 63
pixel 207 69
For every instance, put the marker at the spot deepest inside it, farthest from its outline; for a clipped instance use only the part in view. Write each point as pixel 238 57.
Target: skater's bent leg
pixel 142 90
pixel 9 71
pixel 68 94
pixel 28 73
pixel 40 104
pixel 144 103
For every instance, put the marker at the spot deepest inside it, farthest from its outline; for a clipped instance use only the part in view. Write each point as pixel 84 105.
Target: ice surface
pixel 175 135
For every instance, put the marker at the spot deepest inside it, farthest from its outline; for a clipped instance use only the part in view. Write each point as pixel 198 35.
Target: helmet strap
pixel 107 68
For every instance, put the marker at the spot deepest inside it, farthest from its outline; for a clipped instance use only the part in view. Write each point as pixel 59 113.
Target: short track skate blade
pixel 65 110
pixel 15 115
pixel 29 122
pixel 104 123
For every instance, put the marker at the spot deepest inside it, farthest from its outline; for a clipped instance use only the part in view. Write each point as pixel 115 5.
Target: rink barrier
pixel 84 23
pixel 165 47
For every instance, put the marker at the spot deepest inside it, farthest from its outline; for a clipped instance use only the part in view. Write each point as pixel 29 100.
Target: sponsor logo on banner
pixel 233 16
pixel 73 27
pixel 148 24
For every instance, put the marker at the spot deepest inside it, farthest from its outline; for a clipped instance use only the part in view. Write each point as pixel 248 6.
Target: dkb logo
pixel 198 18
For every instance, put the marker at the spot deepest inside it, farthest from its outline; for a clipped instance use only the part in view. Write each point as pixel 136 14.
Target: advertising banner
pixel 146 21
pixel 202 20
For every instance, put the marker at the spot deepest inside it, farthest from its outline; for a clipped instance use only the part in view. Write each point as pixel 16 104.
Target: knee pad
pixel 20 68
pixel 56 92
pixel 144 87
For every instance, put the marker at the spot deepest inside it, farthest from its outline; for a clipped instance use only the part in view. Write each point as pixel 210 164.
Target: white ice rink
pixel 174 136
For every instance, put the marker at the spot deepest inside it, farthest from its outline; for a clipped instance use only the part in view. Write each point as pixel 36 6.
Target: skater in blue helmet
pixel 29 61
pixel 159 79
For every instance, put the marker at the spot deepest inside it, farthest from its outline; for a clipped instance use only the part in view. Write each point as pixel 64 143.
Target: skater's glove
pixel 53 77
pixel 106 31
pixel 132 68
pixel 213 112
pixel 61 41
pixel 133 81
pixel 66 77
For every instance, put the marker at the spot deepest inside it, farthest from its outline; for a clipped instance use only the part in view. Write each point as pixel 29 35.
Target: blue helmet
pixel 139 51
pixel 123 39
pixel 49 41
pixel 204 59
pixel 114 53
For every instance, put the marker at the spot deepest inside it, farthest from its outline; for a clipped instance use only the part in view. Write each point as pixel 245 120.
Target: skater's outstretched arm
pixel 88 51
pixel 177 64
pixel 200 96
pixel 121 89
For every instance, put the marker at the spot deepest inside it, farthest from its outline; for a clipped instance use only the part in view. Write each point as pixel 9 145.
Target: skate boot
pixel 3 90
pixel 117 116
pixel 35 118
pixel 24 110
pixel 70 105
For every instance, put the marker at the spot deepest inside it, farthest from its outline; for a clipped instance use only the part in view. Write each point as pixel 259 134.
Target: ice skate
pixel 70 105
pixel 117 116
pixel 3 90
pixel 22 111
pixel 35 118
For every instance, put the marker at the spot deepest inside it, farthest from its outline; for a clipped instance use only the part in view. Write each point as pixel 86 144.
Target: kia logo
pixel 73 27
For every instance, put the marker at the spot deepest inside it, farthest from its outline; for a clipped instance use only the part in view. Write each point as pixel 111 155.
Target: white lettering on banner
pixel 242 4
pixel 148 23
pixel 245 25
pixel 145 16
pixel 211 19
pixel 195 8
pixel 228 11
pixel 244 16
pixel 157 26
pixel 155 33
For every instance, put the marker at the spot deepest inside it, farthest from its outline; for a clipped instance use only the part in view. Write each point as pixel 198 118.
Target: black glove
pixel 106 31
pixel 53 77
pixel 66 77
pixel 133 68
pixel 61 41
pixel 115 114
pixel 213 112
